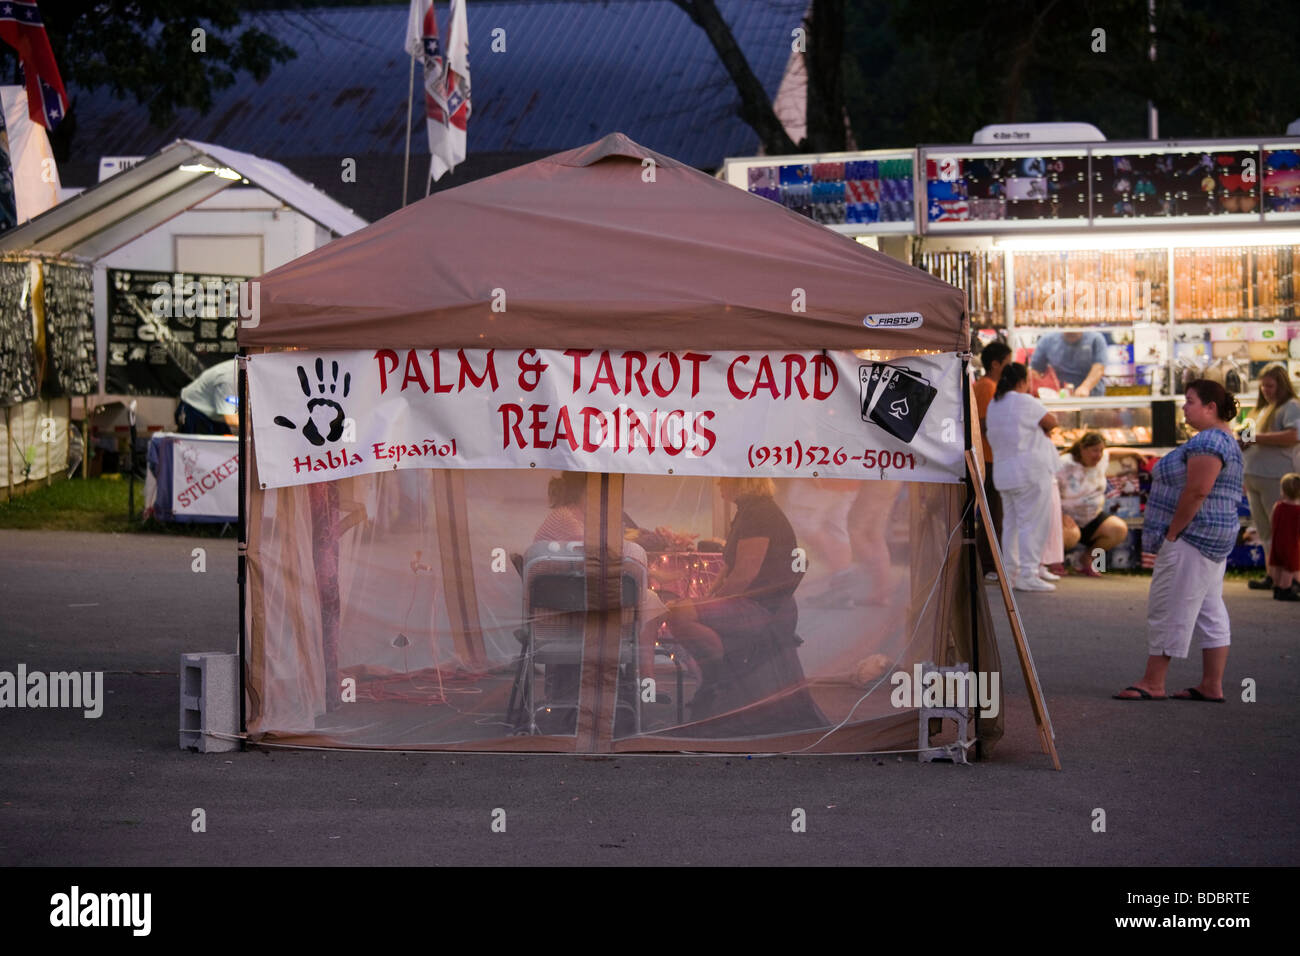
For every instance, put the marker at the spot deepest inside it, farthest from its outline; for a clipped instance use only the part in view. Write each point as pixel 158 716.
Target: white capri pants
pixel 1186 599
pixel 1026 523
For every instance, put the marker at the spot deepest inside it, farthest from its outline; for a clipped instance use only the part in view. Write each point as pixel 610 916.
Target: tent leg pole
pixel 242 544
pixel 968 535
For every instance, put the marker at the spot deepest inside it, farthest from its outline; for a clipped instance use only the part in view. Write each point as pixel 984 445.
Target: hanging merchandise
pixel 17 342
pixel 70 330
pixel 164 329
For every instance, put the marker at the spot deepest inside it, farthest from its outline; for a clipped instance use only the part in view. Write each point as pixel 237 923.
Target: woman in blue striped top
pixel 1189 526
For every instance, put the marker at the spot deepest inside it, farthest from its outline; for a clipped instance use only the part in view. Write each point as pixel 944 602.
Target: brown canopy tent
pixel 394 591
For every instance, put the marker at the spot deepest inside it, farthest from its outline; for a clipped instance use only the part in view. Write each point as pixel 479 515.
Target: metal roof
pixel 180 176
pixel 572 71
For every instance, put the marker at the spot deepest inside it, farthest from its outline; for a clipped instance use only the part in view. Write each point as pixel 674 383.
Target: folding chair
pixel 555 612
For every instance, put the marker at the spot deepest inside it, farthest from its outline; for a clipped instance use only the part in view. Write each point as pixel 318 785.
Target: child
pixel 1284 549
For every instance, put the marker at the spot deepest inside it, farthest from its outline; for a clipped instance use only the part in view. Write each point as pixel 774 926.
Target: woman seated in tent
pixel 754 594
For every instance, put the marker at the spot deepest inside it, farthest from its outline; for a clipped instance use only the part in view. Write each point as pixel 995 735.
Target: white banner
pixel 323 415
pixel 205 476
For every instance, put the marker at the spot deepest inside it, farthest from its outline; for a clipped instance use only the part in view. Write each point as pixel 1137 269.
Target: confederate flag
pixel 446 81
pixel 23 29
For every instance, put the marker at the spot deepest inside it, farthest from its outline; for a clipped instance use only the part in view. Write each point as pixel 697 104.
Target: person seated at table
pixel 567 496
pixel 757 582
pixel 567 521
pixel 1082 480
pixel 210 404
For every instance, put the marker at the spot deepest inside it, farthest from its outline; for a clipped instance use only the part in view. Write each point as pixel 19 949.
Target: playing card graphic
pixel 895 398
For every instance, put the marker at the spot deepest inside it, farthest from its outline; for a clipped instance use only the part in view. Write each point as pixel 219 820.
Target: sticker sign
pixel 322 415
pixel 205 477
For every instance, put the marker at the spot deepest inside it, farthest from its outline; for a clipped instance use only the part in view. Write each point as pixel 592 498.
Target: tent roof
pixel 579 250
pixel 127 205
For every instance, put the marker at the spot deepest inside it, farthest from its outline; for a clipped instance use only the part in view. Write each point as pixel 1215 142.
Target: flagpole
pixel 406 159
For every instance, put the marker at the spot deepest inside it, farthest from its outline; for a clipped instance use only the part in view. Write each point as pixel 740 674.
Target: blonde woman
pixel 758 578
pixel 1270 454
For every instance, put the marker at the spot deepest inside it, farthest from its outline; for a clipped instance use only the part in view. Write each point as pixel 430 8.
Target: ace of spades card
pixel 895 398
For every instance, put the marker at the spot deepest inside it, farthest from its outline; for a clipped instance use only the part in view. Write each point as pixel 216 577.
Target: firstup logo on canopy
pixel 75 909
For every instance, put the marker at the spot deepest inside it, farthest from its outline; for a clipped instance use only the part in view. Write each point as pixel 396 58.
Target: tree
pixel 938 71
pixel 823 55
pixel 147 49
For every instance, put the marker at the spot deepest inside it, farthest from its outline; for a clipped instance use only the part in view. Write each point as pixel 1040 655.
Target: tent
pixel 494 440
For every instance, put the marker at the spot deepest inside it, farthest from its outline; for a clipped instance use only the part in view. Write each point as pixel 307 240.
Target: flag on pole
pixel 446 81
pixel 23 29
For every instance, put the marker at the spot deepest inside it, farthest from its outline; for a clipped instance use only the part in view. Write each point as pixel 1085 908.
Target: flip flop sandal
pixel 1191 693
pixel 1145 695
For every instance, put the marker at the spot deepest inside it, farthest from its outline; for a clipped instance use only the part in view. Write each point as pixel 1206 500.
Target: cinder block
pixel 209 702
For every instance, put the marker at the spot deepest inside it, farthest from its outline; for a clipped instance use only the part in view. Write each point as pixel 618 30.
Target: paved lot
pixel 1180 783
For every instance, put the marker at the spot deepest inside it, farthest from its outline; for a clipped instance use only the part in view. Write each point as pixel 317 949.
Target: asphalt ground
pixel 1180 784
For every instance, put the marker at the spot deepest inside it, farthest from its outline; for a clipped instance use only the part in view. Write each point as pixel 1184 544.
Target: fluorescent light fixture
pixel 1150 240
pixel 224 172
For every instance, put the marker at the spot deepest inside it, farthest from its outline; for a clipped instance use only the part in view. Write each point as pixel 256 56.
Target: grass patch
pixel 95 504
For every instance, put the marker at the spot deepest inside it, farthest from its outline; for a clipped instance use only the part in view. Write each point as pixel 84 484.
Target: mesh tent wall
pixel 414 606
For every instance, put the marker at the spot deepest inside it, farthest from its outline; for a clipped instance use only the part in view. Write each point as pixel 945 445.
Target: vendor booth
pixel 548 462
pixel 192 478
pixel 1171 259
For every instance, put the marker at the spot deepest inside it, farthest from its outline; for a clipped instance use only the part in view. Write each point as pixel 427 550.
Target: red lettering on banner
pixel 639 360
pixel 764 378
pixel 696 359
pixel 438 387
pixel 562 421
pixel 537 424
pixel 675 365
pixel 634 425
pixel 794 379
pixel 819 362
pixel 667 431
pixel 588 414
pixel 530 370
pixel 380 356
pixel 577 355
pixel 795 368
pixel 604 374
pixel 731 376
pixel 507 426
pixel 412 372
pixel 704 432
pixel 467 371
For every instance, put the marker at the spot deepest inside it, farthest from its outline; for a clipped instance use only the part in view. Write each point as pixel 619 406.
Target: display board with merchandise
pixel 1236 282
pixel 857 191
pixel 970 188
pixel 989 187
pixel 979 274
pixel 850 192
pixel 1174 183
pixel 1091 286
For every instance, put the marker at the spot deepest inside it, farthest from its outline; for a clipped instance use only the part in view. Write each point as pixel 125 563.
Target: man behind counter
pixel 210 404
pixel 1077 358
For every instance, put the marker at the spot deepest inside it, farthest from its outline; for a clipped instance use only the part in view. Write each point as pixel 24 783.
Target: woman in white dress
pixel 1024 473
